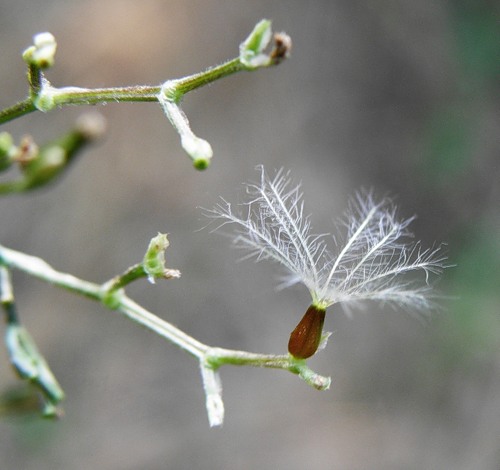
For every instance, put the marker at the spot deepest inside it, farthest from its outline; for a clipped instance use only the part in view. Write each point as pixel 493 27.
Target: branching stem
pixel 43 96
pixel 140 93
pixel 210 358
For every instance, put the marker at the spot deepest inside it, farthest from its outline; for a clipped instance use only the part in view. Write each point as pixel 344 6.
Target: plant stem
pixel 35 79
pixel 210 359
pixel 213 357
pixel 87 96
pixel 175 89
pixel 131 274
pixel 164 329
pixel 44 97
pixel 40 269
pixel 216 357
pixel 140 93
pixel 19 109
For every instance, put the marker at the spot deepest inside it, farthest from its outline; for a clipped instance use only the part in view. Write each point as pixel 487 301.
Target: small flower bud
pixel 46 165
pixel 91 126
pixel 251 50
pixel 27 151
pixel 42 53
pixel 41 166
pixel 198 149
pixel 154 259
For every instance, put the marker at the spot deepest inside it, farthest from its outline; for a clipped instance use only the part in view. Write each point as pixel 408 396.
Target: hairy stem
pixel 210 358
pixel 44 97
pixel 19 109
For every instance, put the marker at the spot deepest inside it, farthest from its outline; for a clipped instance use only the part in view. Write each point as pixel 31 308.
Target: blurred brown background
pixel 396 95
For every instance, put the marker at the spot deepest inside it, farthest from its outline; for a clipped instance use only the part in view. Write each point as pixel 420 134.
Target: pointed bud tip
pixel 252 49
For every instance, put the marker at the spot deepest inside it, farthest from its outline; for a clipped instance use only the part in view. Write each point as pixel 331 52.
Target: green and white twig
pixel 45 97
pixel 112 295
pixel 24 354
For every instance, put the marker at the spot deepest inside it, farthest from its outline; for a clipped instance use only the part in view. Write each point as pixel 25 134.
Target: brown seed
pixel 305 338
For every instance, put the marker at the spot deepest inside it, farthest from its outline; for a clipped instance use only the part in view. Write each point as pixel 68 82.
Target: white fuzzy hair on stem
pixel 374 257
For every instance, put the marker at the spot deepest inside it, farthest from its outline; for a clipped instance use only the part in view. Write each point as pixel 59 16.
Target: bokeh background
pixel 396 95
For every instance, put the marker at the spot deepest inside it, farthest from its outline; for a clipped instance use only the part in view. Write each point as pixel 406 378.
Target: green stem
pixel 210 359
pixel 19 109
pixel 87 96
pixel 213 357
pixel 35 79
pixel 216 357
pixel 130 275
pixel 175 89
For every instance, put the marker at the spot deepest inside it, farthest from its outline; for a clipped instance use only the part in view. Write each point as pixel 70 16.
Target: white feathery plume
pixel 374 256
